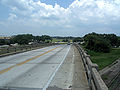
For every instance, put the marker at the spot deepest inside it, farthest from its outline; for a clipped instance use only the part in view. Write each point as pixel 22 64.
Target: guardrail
pixel 94 79
pixel 4 51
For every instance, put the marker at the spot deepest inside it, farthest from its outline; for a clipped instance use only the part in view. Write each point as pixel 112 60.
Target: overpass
pixel 58 67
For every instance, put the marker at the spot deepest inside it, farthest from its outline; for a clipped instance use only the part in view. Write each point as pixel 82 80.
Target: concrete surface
pixel 54 66
pixel 71 75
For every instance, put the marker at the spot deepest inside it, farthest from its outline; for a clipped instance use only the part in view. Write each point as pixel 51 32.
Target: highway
pixel 39 69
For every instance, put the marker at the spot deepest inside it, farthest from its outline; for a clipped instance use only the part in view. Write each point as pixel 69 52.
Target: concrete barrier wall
pixel 94 79
pixel 10 50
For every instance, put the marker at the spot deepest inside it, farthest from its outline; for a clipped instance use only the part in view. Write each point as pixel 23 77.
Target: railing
pixel 4 51
pixel 94 79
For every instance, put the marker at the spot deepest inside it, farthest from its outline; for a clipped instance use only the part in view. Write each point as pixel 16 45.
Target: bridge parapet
pixel 94 79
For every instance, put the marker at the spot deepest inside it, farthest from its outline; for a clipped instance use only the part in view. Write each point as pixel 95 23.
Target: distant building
pixel 6 38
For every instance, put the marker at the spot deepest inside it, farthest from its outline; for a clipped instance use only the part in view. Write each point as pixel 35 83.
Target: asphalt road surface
pixel 39 69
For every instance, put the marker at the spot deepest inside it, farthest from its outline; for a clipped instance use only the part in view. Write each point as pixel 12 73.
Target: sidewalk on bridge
pixel 71 75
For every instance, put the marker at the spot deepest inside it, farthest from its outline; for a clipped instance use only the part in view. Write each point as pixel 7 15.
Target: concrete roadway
pixel 37 69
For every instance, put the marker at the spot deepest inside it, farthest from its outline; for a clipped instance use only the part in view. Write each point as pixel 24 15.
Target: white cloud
pixel 12 17
pixel 80 15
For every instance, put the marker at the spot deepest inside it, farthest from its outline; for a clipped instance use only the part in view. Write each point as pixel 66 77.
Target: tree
pixel 96 42
pixel 65 40
pixel 38 38
pixel 112 38
pixel 77 39
pixel 2 42
pixel 118 43
pixel 46 37
pixel 22 39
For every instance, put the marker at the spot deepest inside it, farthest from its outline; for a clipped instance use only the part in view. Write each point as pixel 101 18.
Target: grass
pixel 104 77
pixel 104 59
pixel 56 40
pixel 59 40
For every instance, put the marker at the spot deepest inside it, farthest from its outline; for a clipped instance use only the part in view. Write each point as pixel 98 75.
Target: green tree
pixel 77 39
pixel 65 40
pixel 22 39
pixel 118 43
pixel 96 42
pixel 2 42
pixel 46 37
pixel 38 38
pixel 112 38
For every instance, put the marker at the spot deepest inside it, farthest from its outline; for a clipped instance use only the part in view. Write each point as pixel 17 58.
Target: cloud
pixel 12 17
pixel 81 16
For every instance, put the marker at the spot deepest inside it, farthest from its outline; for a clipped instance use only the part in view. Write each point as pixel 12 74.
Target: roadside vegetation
pixel 57 40
pixel 23 39
pixel 62 39
pixel 78 39
pixel 23 42
pixel 27 38
pixel 103 48
pixel 104 59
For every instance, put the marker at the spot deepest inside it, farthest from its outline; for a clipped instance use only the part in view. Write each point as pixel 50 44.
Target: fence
pixel 94 79
pixel 20 48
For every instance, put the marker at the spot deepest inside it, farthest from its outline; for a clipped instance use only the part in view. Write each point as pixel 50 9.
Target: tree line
pixel 93 41
pixel 25 39
pixel 101 42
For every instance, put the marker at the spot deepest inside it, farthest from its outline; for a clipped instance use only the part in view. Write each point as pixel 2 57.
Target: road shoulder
pixel 71 75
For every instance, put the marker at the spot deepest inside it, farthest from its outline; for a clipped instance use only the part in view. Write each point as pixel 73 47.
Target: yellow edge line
pixel 21 63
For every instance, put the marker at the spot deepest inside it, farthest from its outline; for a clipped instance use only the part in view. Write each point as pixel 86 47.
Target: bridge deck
pixel 53 68
pixel 71 74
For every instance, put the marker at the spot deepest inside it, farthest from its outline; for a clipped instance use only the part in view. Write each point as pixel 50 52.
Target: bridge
pixel 57 67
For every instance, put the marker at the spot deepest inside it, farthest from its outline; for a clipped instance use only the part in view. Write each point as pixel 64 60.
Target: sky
pixel 59 17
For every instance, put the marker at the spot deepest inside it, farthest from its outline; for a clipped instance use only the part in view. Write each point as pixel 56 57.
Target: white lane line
pixel 51 78
pixel 73 56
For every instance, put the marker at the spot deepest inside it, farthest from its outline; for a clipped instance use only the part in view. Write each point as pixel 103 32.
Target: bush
pixel 26 38
pixel 22 39
pixel 77 39
pixel 2 42
pixel 102 46
pixel 96 43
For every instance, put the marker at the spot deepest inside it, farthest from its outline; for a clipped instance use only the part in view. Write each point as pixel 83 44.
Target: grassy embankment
pixel 104 59
pixel 56 40
pixel 59 40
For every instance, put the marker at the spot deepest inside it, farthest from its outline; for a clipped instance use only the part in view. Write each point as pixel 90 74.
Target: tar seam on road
pixel 21 63
pixel 51 78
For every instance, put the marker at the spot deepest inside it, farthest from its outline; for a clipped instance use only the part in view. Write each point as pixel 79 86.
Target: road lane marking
pixel 35 57
pixel 52 76
pixel 21 63
pixel 7 69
